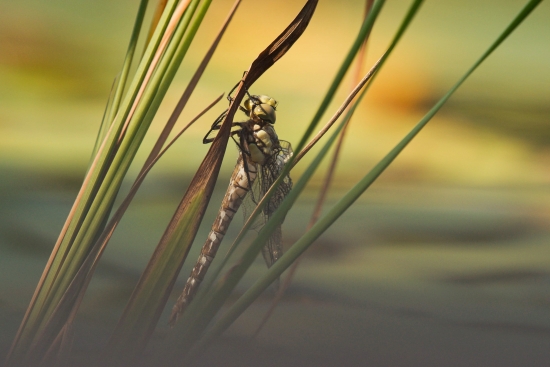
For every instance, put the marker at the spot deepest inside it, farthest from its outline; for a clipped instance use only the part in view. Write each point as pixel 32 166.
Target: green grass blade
pixel 361 36
pixel 118 86
pixel 119 91
pixel 104 125
pixel 326 182
pixel 326 221
pixel 136 131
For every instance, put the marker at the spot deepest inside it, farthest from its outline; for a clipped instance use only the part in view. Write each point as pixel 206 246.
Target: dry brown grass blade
pixel 155 285
pixel 282 43
pixel 326 184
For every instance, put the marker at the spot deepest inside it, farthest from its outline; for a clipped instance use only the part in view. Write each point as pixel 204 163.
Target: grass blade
pixel 156 19
pixel 121 84
pixel 361 56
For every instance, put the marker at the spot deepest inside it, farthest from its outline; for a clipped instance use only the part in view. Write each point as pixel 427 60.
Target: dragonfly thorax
pixel 258 131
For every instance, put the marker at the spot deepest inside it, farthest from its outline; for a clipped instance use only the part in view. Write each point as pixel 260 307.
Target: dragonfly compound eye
pixel 267 100
pixel 265 112
pixel 257 100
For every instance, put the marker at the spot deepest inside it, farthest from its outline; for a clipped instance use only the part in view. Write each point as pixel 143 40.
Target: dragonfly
pixel 260 161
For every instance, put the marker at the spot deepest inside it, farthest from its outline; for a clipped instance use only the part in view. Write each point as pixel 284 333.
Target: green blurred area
pixel 444 259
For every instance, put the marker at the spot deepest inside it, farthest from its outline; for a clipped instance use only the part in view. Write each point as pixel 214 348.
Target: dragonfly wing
pixel 268 173
pixel 273 249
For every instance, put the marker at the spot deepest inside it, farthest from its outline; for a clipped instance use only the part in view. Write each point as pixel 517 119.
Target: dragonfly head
pixel 262 107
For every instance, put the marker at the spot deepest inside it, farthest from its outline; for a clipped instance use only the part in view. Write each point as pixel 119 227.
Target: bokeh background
pixel 444 261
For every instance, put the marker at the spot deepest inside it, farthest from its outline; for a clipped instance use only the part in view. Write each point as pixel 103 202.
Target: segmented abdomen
pixel 239 185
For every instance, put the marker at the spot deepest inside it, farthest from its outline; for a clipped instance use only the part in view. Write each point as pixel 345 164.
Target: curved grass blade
pixel 151 293
pixel 362 34
pixel 326 221
pixel 282 43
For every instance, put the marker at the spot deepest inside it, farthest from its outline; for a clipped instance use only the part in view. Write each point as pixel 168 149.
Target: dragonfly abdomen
pixel 239 185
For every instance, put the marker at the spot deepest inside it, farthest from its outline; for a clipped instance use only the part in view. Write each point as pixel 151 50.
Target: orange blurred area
pixel 405 89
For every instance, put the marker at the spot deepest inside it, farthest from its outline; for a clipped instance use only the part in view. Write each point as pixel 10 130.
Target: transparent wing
pixel 267 174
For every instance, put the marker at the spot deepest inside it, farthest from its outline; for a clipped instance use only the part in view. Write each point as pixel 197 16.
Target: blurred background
pixel 443 261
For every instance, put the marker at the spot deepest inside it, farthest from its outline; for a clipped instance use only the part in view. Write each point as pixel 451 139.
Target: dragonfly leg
pixel 229 98
pixel 215 126
pixel 236 142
